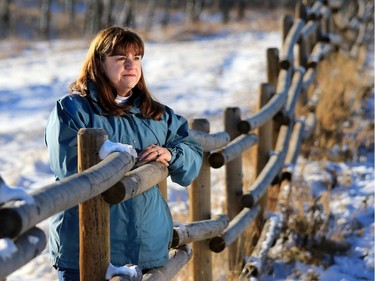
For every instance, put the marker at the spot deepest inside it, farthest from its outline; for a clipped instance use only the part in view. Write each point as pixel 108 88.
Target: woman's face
pixel 124 71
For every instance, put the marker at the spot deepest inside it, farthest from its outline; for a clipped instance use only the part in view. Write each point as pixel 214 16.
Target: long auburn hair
pixel 111 41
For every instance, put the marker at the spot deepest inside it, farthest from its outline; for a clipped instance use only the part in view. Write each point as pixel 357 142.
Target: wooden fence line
pixel 183 234
pixel 317 31
pixel 177 259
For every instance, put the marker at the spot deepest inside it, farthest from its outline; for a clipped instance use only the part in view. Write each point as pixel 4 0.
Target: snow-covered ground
pixel 199 79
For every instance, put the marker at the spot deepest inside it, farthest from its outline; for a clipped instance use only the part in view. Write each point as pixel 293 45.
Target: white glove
pixel 129 271
pixel 13 193
pixel 108 147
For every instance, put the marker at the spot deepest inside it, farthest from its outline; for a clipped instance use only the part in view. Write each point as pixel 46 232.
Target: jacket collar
pixel 94 96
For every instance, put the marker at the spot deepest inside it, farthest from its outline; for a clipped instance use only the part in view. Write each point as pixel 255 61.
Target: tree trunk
pixel 106 17
pixel 131 14
pixel 127 15
pixel 4 18
pixel 241 9
pixel 166 17
pixel 92 20
pixel 45 17
pixel 150 14
pixel 70 10
pixel 193 10
pixel 225 6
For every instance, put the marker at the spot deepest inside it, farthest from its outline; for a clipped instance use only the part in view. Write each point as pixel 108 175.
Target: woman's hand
pixel 155 153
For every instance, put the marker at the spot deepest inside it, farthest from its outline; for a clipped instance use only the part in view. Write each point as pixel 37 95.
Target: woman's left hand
pixel 155 153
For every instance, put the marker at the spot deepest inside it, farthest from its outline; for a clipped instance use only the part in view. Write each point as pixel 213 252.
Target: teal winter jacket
pixel 141 227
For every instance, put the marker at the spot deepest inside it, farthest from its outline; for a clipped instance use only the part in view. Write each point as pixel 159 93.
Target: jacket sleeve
pixel 61 131
pixel 186 152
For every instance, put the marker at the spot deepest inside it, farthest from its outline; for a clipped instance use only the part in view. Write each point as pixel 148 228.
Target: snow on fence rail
pixel 318 29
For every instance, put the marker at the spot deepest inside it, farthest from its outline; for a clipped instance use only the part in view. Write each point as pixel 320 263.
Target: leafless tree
pixel 167 11
pixel 92 17
pixel 151 6
pixel 106 17
pixel 127 15
pixel 4 18
pixel 193 10
pixel 70 10
pixel 45 18
pixel 225 8
pixel 241 5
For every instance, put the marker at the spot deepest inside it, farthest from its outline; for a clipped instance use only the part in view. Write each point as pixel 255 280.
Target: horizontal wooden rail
pixel 233 150
pixel 265 178
pixel 177 259
pixel 295 144
pixel 309 78
pixel 211 142
pixel 316 12
pixel 361 12
pixel 319 51
pixel 270 171
pixel 336 4
pixel 334 39
pixel 293 95
pixel 309 29
pixel 326 12
pixel 234 229
pixel 359 40
pixel 199 230
pixel 28 246
pixel 64 194
pixel 271 230
pixel 287 50
pixel 136 182
pixel 310 124
pixel 271 108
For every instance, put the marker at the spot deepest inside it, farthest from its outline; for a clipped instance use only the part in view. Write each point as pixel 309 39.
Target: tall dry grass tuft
pixel 342 85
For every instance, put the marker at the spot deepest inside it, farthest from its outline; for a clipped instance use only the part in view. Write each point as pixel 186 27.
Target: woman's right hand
pixel 155 153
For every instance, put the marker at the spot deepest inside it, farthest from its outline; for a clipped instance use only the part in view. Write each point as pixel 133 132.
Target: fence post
pixel 272 77
pixel 288 22
pixel 301 13
pixel 200 209
pixel 273 66
pixel 163 187
pixel 94 250
pixel 262 153
pixel 268 135
pixel 266 132
pixel 234 179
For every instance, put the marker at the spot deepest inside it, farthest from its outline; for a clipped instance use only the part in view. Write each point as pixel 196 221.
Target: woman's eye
pixel 136 58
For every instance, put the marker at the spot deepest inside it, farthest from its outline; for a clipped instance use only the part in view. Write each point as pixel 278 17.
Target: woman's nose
pixel 129 63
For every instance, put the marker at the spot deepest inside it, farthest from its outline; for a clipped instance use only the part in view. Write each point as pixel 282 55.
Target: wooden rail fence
pixel 317 29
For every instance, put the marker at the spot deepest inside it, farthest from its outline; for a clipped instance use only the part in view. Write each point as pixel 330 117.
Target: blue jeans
pixel 67 274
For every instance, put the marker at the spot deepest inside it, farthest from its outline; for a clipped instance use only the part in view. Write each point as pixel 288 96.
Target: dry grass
pixel 342 86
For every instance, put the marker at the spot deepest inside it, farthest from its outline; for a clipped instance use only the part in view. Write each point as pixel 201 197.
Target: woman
pixel 110 93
